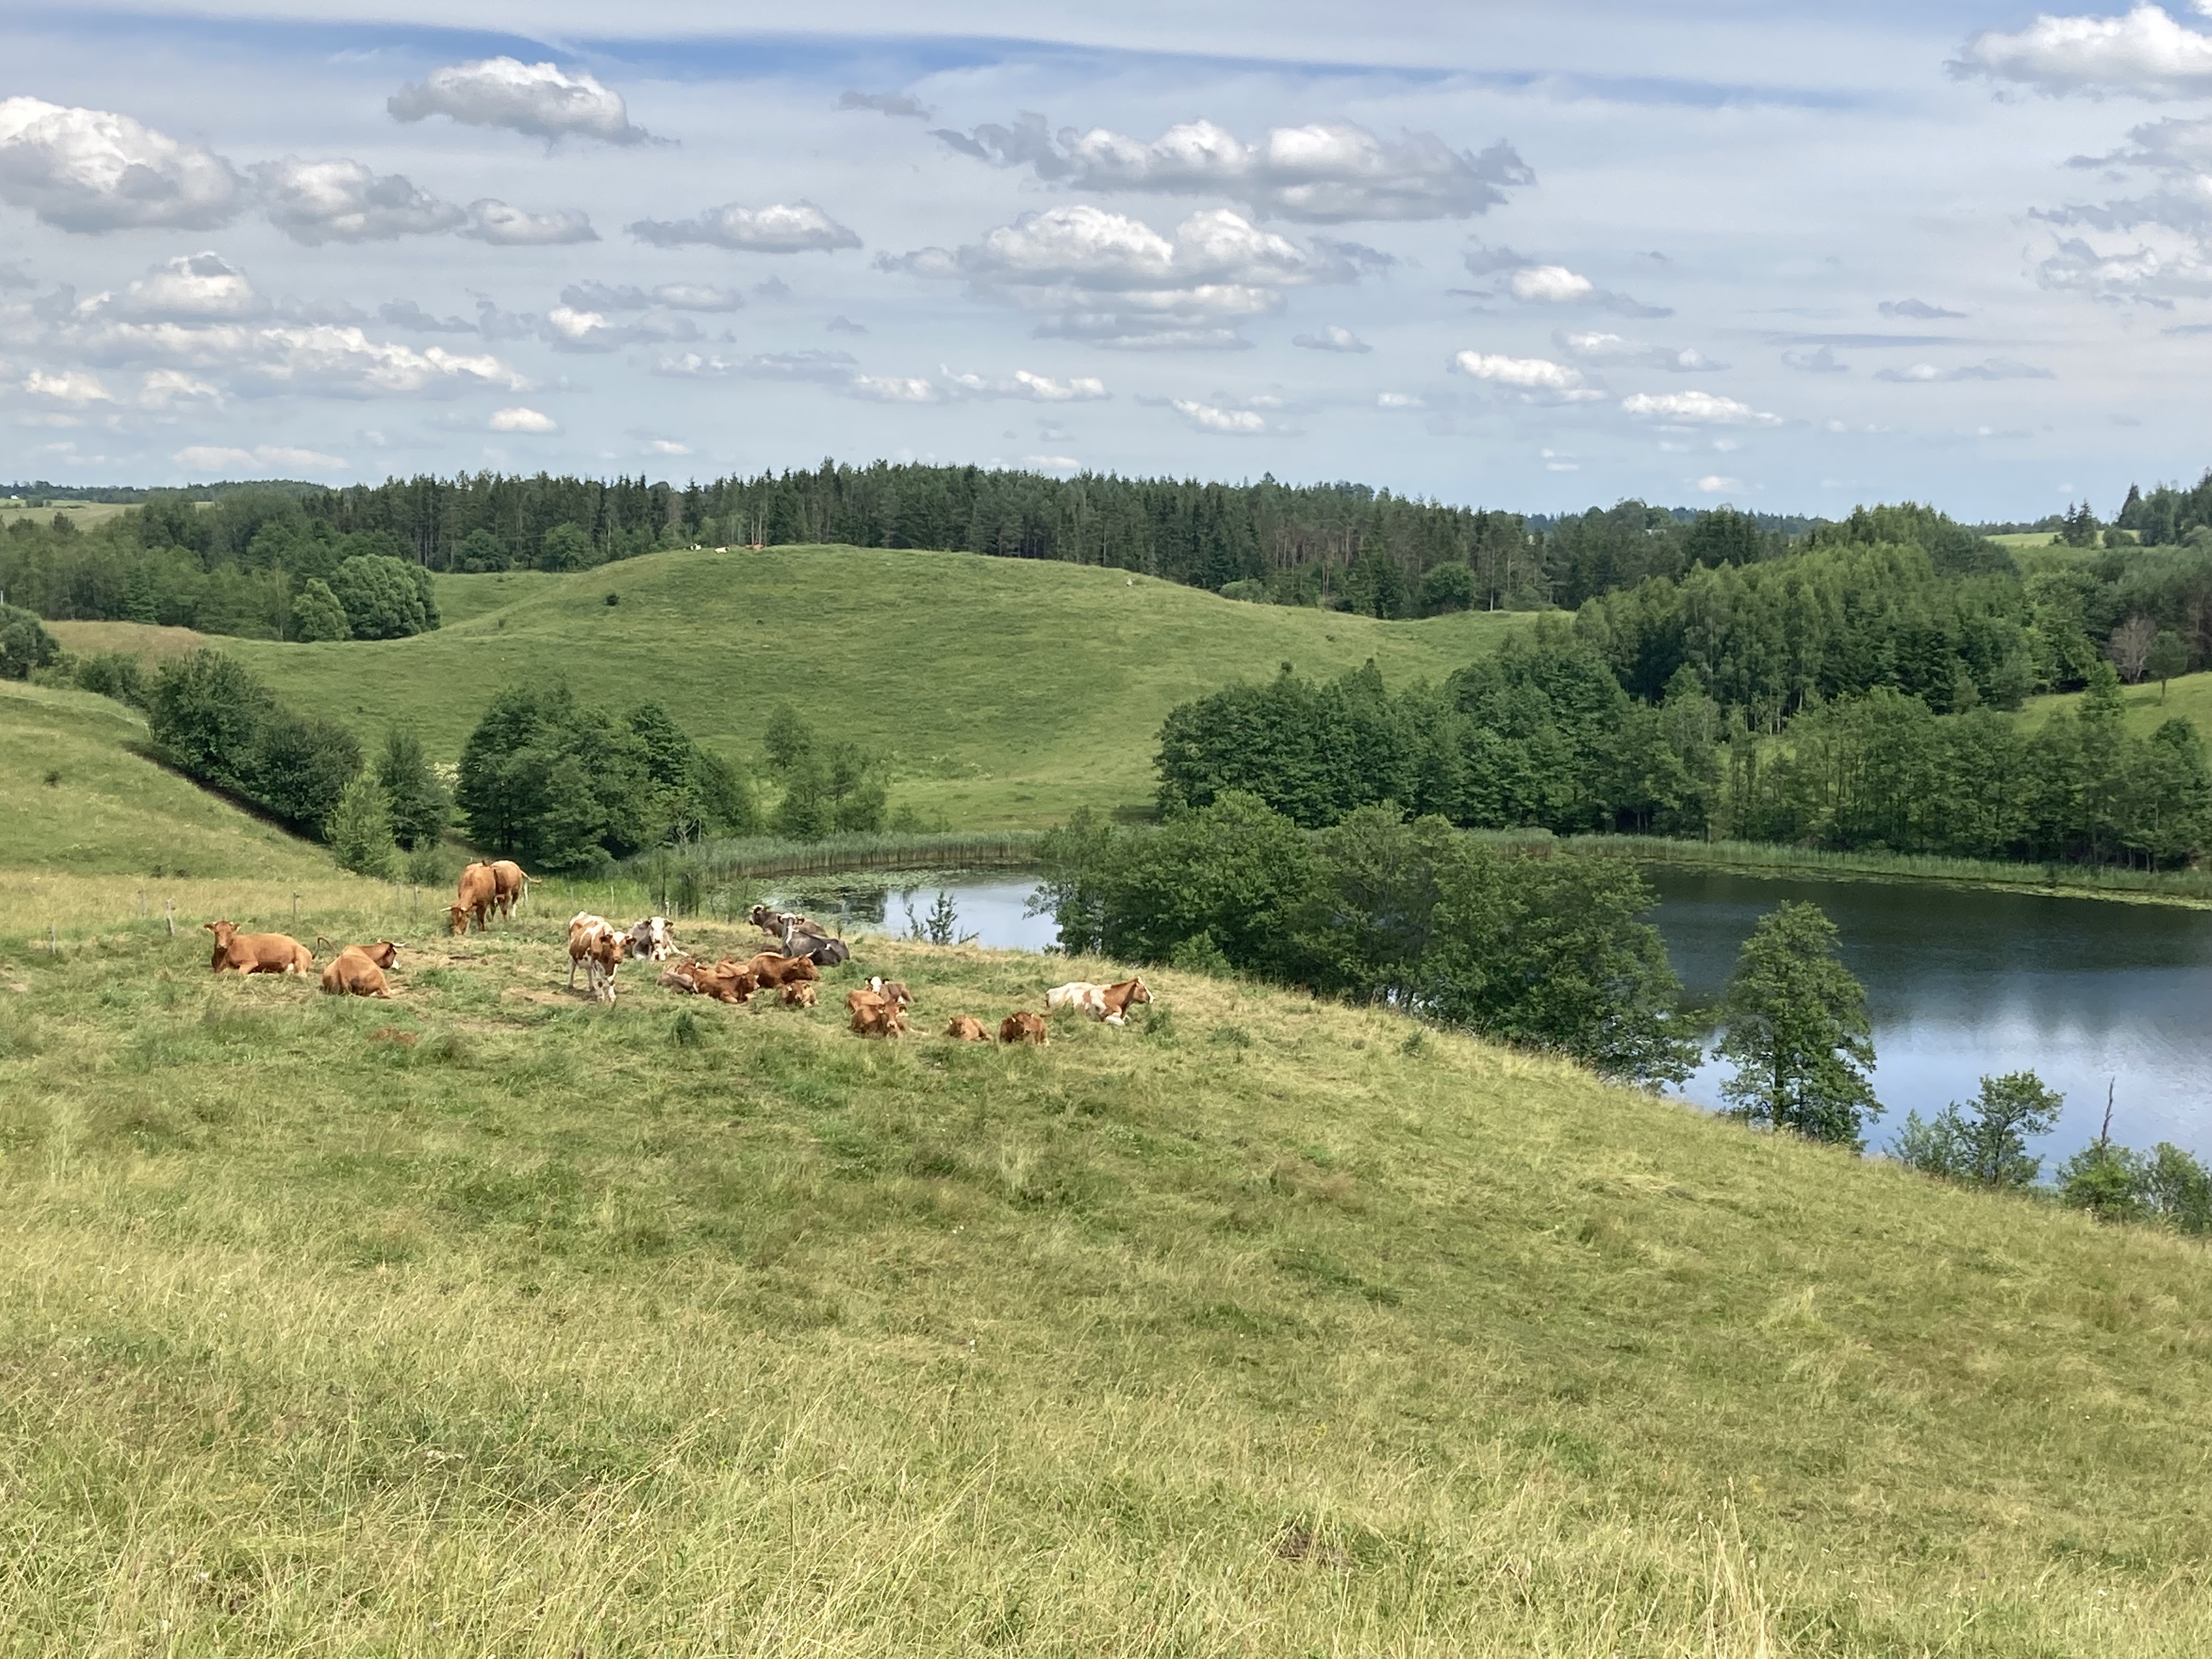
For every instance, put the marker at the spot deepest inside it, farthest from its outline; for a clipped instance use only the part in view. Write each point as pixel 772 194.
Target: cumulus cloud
pixel 165 388
pixel 1695 409
pixel 93 170
pixel 666 446
pixel 1593 345
pixel 567 329
pixel 2144 54
pixel 494 222
pixel 541 99
pixel 826 366
pixel 1821 361
pixel 71 387
pixel 784 228
pixel 885 103
pixel 1324 174
pixel 669 296
pixel 343 201
pixel 407 315
pixel 1919 310
pixel 1534 282
pixel 1035 388
pixel 892 389
pixel 520 419
pixel 1093 275
pixel 1524 373
pixel 1713 484
pixel 1229 422
pixel 213 457
pixel 191 287
pixel 1331 339
pixel 1992 368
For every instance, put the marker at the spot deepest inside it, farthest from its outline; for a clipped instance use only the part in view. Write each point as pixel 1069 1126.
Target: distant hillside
pixel 997 692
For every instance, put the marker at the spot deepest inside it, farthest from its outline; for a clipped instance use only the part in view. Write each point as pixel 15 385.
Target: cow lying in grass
pixel 965 1028
pixel 799 994
pixel 256 953
pixel 875 1014
pixel 358 970
pixel 1023 1026
pixel 650 940
pixel 594 942
pixel 1110 1003
pixel 725 982
pixel 773 970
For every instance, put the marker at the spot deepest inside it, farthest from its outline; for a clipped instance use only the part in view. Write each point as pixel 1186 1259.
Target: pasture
pixel 2187 697
pixel 999 692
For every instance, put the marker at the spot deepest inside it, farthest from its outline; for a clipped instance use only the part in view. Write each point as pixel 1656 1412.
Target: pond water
pixel 2087 993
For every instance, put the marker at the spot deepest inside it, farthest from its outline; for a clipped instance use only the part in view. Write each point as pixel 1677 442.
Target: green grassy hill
pixel 486 1321
pixel 2189 696
pixel 1001 692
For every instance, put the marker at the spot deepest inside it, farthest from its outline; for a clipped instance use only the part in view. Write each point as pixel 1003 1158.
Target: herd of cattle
pixel 791 969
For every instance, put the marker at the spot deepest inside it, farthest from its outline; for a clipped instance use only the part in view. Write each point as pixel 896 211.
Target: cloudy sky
pixel 1530 256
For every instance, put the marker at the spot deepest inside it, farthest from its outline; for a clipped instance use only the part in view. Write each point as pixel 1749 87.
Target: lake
pixel 1960 983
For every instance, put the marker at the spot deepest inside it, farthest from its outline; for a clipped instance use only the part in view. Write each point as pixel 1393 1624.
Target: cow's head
pixel 457 919
pixel 1138 993
pixel 384 953
pixel 224 932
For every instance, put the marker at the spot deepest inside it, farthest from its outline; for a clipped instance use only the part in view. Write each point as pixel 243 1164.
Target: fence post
pixel 169 909
pixel 296 912
pixel 53 944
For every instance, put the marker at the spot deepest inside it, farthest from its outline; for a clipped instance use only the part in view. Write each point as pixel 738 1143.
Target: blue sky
pixel 1534 257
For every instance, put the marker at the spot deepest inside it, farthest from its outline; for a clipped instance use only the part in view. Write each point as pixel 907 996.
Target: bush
pixel 566 547
pixel 24 643
pixel 116 674
pixel 298 767
pixel 1447 587
pixel 316 615
pixel 382 597
pixel 360 829
pixel 419 804
pixel 215 721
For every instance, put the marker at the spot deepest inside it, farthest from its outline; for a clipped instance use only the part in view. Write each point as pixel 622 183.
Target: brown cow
pixel 358 969
pixel 593 942
pixel 1023 1026
pixel 479 891
pixel 509 886
pixel 256 953
pixel 773 970
pixel 894 989
pixel 799 994
pixel 965 1028
pixel 874 1015
pixel 1119 999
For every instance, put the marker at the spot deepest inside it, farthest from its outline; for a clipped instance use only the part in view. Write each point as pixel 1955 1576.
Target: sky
pixel 1534 257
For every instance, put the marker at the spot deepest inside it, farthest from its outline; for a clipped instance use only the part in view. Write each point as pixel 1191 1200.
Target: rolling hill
pixel 999 692
pixel 482 1320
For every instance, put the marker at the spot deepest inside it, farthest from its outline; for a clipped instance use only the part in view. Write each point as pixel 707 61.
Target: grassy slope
pixel 566 1329
pixel 1001 692
pixel 2189 697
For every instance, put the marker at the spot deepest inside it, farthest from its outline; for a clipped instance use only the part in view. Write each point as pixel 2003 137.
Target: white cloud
pixel 1035 388
pixel 785 227
pixel 495 222
pixel 343 201
pixel 2154 272
pixel 93 170
pixel 1992 368
pixel 1822 362
pixel 893 389
pixel 210 457
pixel 71 387
pixel 520 419
pixel 191 287
pixel 1550 285
pixel 567 329
pixel 1322 173
pixel 885 103
pixel 2145 54
pixel 1528 374
pixel 1695 409
pixel 828 368
pixel 671 296
pixel 698 296
pixel 1331 339
pixel 667 446
pixel 164 388
pixel 1612 348
pixel 1712 483
pixel 1114 279
pixel 406 313
pixel 537 99
pixel 1918 311
pixel 1398 400
pixel 1234 422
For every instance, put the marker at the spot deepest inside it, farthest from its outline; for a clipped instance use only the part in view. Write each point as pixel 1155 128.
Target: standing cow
pixel 478 893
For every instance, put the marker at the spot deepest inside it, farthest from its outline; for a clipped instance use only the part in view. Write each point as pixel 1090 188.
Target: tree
pixel 1986 1140
pixel 298 767
pixel 205 711
pixel 418 803
pixel 1447 587
pixel 2167 656
pixel 360 829
pixel 1797 1031
pixel 382 598
pixel 2081 528
pixel 317 615
pixel 2128 648
pixel 786 738
pixel 566 547
pixel 2104 1179
pixel 24 643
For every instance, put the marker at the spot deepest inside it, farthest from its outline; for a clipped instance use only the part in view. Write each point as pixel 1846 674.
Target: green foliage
pixel 24 645
pixel 566 547
pixel 1796 1029
pixel 419 804
pixel 1545 953
pixel 827 791
pixel 360 829
pixel 787 738
pixel 318 615
pixel 116 674
pixel 562 785
pixel 384 598
pixel 1447 587
pixel 1986 1140
pixel 2168 1185
pixel 298 767
pixel 2168 656
pixel 1249 589
pixel 216 721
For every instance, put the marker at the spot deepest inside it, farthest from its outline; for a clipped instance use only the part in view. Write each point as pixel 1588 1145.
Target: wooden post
pixel 169 909
pixel 53 944
pixel 296 912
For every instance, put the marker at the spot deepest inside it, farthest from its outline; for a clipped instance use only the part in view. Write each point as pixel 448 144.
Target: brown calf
pixel 1023 1026
pixel 358 970
pixel 965 1028
pixel 799 994
pixel 257 953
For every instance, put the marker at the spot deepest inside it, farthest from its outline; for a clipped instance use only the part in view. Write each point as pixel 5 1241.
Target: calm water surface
pixel 1960 982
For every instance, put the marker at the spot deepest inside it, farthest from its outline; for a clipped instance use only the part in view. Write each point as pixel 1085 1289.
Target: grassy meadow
pixel 484 1321
pixel 2188 696
pixel 1001 693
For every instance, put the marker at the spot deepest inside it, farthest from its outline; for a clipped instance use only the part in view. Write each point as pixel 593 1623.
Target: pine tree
pixel 360 829
pixel 1797 1031
pixel 419 803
